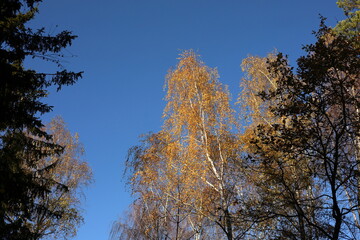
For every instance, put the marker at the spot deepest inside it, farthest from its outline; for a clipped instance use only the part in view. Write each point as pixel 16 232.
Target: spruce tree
pixel 23 142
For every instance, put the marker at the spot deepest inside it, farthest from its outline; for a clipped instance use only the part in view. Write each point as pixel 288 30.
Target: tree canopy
pixel 288 168
pixel 23 141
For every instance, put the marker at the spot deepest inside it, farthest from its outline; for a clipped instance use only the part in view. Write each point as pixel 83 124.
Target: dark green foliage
pixel 350 27
pixel 22 140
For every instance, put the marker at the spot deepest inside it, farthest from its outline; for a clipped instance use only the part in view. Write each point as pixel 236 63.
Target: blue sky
pixel 125 48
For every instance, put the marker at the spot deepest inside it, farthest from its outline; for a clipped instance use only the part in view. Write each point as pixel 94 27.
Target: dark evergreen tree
pixel 22 141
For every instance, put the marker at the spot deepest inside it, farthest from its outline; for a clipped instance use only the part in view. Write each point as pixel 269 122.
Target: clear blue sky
pixel 125 48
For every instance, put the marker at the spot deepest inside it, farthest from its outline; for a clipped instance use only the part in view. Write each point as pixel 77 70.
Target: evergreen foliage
pixel 23 142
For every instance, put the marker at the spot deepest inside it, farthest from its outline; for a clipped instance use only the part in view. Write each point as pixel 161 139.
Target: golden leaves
pixel 69 170
pixel 185 166
pixel 257 79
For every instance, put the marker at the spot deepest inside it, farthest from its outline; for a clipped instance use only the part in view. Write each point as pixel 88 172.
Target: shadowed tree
pixel 22 90
pixel 309 159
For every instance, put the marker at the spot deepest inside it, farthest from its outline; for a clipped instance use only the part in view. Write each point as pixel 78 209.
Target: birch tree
pixel 70 171
pixel 199 117
pixel 191 167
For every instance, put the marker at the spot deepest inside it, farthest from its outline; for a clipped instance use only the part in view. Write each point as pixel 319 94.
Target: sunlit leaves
pixel 185 168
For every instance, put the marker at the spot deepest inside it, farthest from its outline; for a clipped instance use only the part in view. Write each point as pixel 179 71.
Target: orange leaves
pixel 185 166
pixel 193 93
pixel 70 173
pixel 257 79
pixel 273 177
